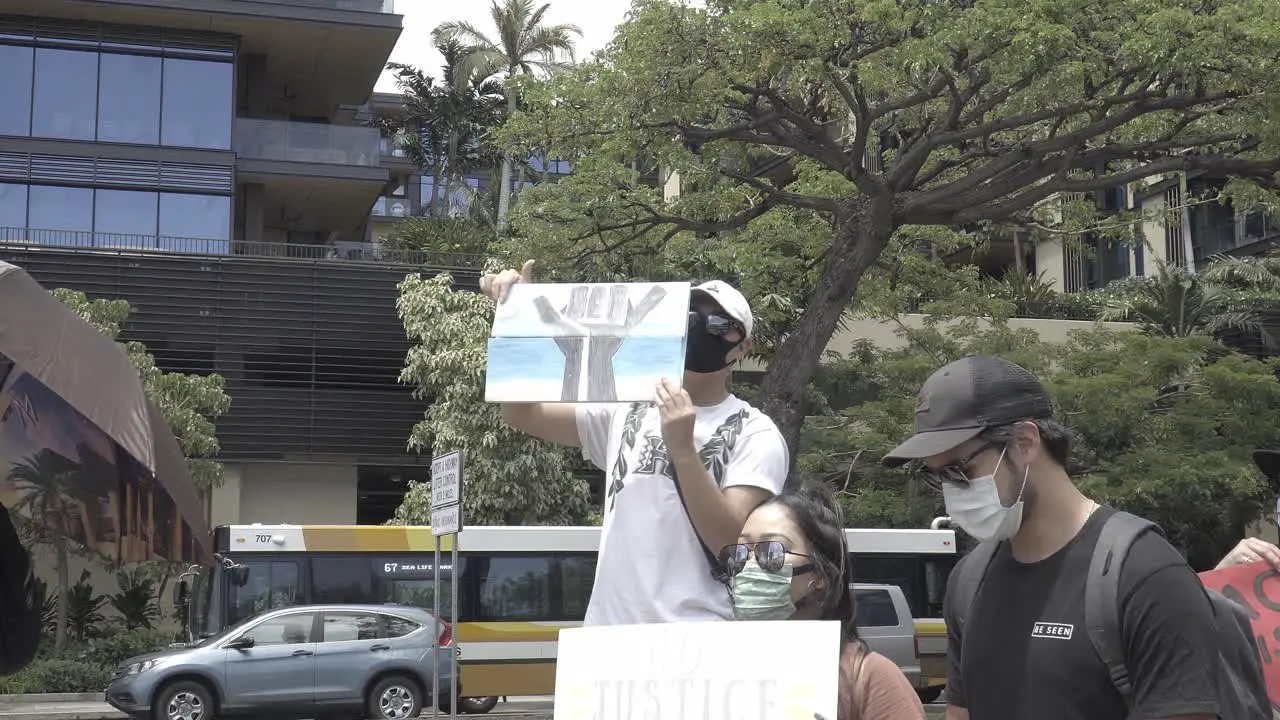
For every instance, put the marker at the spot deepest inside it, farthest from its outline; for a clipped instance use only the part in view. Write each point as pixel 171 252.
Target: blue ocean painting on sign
pixel 607 342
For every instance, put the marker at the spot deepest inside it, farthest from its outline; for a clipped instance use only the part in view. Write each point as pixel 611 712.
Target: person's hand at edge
pixel 496 286
pixel 1251 550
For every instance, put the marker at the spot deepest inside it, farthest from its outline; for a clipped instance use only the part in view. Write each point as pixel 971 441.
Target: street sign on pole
pixel 446 519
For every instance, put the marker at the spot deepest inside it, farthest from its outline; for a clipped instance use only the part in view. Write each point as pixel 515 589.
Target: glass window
pixel 195 223
pixel 409 580
pixel 197 104
pixel 124 218
pixel 875 609
pixel 342 627
pixel 513 588
pixel 271 584
pixel 398 626
pixel 15 90
pixel 65 101
pixel 60 215
pixel 342 580
pixel 13 210
pixel 577 575
pixel 291 629
pixel 129 99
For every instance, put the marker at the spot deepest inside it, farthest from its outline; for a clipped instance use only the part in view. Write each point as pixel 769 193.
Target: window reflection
pixel 194 223
pixel 341 580
pixel 60 215
pixel 124 218
pixel 344 627
pixel 64 102
pixel 13 208
pixel 291 629
pixel 129 99
pixel 15 90
pixel 197 105
pixel 577 575
pixel 513 588
pixel 270 585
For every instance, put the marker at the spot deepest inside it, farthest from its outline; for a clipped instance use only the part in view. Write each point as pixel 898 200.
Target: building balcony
pixel 36 240
pixel 314 143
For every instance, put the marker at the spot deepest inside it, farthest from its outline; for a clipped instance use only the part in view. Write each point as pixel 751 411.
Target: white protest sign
pixel 699 671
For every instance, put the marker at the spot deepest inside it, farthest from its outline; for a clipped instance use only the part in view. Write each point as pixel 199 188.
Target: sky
pixel 597 18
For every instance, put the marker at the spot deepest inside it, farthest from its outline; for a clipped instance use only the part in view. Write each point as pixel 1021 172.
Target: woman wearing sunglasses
pixel 789 564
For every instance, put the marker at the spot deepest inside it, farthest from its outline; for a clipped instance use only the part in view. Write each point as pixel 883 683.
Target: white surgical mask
pixel 977 509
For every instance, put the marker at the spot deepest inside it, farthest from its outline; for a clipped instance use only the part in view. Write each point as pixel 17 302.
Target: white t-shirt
pixel 651 566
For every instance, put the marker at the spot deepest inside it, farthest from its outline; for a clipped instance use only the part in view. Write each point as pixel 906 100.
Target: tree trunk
pixel 504 190
pixel 863 229
pixel 433 208
pixel 64 587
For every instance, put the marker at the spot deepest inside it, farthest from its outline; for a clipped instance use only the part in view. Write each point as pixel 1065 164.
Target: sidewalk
pixel 88 707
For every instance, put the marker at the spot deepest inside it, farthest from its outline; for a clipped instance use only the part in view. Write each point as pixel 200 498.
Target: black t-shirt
pixel 1026 653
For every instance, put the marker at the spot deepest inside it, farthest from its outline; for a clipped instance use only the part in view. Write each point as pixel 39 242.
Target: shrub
pixel 114 649
pixel 57 675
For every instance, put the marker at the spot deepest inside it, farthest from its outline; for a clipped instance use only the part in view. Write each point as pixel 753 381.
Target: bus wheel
pixel 395 698
pixel 477 705
pixel 929 694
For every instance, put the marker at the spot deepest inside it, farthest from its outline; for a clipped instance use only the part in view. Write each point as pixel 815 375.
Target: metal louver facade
pixel 311 349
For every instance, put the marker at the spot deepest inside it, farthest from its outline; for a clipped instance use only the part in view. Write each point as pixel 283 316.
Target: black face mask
pixel 705 350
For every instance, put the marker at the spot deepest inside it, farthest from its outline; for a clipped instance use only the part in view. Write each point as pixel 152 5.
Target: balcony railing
pixel 370 6
pixel 30 238
pixel 284 141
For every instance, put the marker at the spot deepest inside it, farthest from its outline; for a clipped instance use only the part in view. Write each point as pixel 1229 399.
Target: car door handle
pixel 300 653
pixel 376 648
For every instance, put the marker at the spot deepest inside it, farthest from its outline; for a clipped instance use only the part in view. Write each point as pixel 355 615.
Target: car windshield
pixel 205 642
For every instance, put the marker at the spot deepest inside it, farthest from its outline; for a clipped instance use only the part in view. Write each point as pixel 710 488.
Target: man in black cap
pixel 986 437
pixel 1252 549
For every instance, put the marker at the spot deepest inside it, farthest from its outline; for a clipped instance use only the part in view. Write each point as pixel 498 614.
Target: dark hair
pixel 1055 436
pixel 816 512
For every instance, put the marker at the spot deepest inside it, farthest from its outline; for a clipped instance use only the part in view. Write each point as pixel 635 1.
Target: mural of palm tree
pixel 49 484
pixel 524 45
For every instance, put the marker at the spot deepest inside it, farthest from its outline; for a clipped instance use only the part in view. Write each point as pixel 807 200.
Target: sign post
pixel 446 519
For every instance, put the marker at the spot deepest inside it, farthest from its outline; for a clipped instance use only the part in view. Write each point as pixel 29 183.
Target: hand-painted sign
pixel 1256 587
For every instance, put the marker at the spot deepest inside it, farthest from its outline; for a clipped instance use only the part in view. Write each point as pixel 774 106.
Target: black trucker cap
pixel 968 396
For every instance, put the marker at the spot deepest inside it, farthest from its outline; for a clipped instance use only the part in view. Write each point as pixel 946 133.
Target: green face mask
pixel 762 595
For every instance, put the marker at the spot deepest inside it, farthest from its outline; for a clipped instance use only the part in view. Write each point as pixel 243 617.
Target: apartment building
pixel 207 161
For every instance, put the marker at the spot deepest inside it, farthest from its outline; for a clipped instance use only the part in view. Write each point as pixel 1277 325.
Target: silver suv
pixel 332 661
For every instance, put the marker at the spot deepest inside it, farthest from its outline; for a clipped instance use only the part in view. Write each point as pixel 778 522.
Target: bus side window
pixel 342 580
pixel 514 587
pixel 577 575
pixel 271 584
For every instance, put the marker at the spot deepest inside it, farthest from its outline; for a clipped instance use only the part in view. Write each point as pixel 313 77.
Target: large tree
pixel 875 118
pixel 524 45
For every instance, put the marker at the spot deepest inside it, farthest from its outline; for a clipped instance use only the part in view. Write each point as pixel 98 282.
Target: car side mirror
pixel 239 575
pixel 243 642
pixel 180 594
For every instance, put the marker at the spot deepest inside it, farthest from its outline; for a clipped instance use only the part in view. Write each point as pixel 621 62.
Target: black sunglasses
pixel 718 325
pixel 770 555
pixel 955 472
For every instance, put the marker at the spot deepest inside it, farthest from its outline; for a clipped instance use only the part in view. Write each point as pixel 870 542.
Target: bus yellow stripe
pixel 511 631
pixel 371 538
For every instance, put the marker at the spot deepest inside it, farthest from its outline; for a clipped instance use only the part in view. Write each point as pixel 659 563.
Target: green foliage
pixel 136 601
pixel 443 235
pixel 833 129
pixel 190 403
pixel 1164 427
pixel 82 667
pixel 84 610
pixel 510 478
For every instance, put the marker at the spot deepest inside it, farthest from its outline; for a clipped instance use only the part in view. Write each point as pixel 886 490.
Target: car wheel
pixel 472 705
pixel 395 698
pixel 183 700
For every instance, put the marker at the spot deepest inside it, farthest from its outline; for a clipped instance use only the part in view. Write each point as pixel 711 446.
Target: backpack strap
pixel 1102 594
pixel 967 578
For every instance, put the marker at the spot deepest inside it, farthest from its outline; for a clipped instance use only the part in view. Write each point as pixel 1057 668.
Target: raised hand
pixel 497 285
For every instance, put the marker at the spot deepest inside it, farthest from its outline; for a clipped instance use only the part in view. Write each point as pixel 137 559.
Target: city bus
pixel 517 586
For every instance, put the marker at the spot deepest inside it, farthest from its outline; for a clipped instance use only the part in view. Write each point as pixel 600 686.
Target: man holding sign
pixel 683 472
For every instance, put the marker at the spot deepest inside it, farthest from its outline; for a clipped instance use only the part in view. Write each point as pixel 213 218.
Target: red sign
pixel 1256 587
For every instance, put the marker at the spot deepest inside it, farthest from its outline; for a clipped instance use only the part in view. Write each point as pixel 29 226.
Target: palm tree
pixel 1178 303
pixel 50 483
pixel 524 46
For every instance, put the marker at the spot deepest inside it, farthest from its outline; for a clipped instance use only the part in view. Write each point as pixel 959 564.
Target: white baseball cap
pixel 732 301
